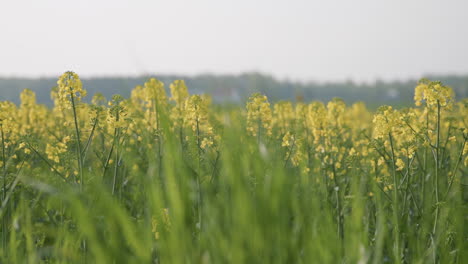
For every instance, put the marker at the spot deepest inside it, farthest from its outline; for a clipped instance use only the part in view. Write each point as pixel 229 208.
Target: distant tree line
pixel 236 88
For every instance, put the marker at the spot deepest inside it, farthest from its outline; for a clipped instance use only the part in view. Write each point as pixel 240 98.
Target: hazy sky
pixel 297 39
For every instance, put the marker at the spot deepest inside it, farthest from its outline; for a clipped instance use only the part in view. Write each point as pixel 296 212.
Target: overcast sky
pixel 296 39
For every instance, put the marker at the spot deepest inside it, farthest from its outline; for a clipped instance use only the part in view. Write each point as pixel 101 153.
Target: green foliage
pixel 152 194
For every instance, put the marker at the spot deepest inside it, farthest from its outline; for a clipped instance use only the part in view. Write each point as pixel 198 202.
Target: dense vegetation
pixel 158 179
pixel 235 89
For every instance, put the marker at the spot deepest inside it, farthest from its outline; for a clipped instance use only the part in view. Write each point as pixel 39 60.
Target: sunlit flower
pixel 258 115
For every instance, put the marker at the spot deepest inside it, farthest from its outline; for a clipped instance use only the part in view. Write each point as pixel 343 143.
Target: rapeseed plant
pixel 174 179
pixel 259 116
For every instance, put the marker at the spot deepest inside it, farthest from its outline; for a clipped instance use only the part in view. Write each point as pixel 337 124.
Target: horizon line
pixel 232 74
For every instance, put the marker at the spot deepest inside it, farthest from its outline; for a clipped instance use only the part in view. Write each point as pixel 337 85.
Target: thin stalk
pixel 4 162
pixel 290 150
pixel 423 176
pixel 78 142
pixel 10 192
pixel 407 180
pixel 181 129
pixel 159 138
pixel 199 196
pixel 47 162
pixel 116 162
pixel 259 124
pixel 338 205
pixel 4 184
pixel 79 154
pixel 111 151
pixel 116 167
pixel 215 164
pixel 436 159
pixel 444 148
pixel 455 169
pixel 90 138
pixel 395 204
pixel 414 201
pixel 106 164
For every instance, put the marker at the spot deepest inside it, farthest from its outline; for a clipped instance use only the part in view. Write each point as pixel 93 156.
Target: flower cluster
pixel 259 115
pixel 283 117
pixel 116 113
pixel 197 120
pixel 69 90
pixel 434 93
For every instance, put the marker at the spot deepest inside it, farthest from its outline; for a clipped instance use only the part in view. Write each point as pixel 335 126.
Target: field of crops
pixel 171 178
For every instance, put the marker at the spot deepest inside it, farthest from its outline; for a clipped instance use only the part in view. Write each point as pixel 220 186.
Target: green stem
pixel 4 162
pixel 455 169
pixel 436 159
pixel 290 150
pixel 395 204
pixel 78 141
pixel 198 175
pixel 111 151
pixel 12 187
pixel 338 205
pixel 47 162
pixel 4 184
pixel 407 179
pixel 159 138
pixel 90 138
pixel 116 162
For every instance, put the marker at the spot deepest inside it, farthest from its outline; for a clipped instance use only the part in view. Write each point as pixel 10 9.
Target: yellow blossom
pixel 69 90
pixel 400 164
pixel 433 92
pixel 258 115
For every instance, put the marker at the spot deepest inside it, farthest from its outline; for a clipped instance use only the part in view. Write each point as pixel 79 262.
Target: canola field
pixel 171 178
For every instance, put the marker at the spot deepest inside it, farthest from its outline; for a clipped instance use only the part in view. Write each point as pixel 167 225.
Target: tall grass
pixel 152 194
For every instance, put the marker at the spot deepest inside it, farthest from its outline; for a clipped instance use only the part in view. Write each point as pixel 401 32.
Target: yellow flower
pixel 196 118
pixel 69 90
pixel 288 140
pixel 179 92
pixel 400 164
pixel 155 93
pixel 380 161
pixel 388 187
pixel 294 152
pixel 258 115
pixel 98 99
pixel 154 227
pixel 337 165
pixel 8 113
pixel 283 117
pixel 116 113
pixel 433 92
pixel 385 121
pixel 316 121
pixel 336 108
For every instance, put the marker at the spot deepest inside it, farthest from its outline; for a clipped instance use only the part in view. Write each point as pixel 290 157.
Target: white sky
pixel 297 39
